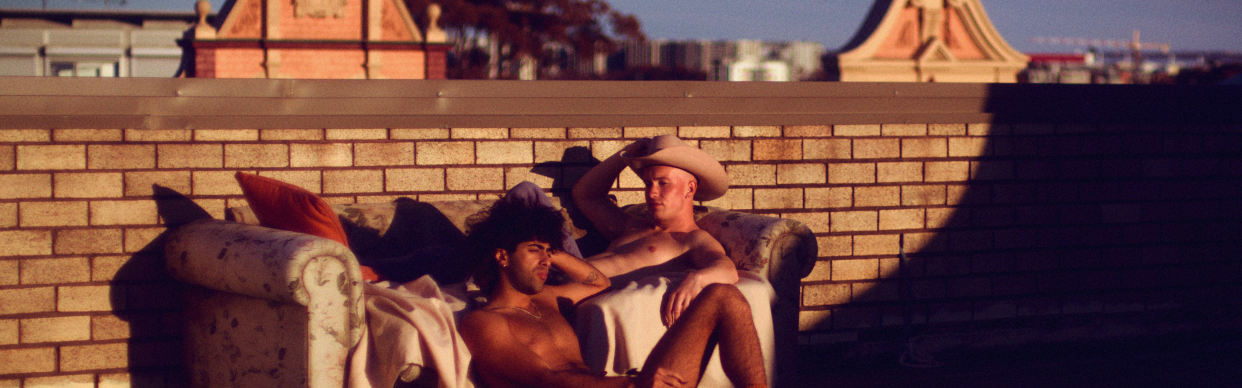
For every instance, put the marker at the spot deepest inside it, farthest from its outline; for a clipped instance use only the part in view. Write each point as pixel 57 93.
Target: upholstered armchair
pixel 273 308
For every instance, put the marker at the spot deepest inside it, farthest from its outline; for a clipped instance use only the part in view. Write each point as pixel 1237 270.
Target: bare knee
pixel 727 294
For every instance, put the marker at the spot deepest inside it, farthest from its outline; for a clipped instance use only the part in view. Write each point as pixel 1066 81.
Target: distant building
pixel 926 41
pixel 360 39
pixel 1074 68
pixel 92 43
pixel 1118 67
pixel 1058 68
pixel 739 60
pixel 249 39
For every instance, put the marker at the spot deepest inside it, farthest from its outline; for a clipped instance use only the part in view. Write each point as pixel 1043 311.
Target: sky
pixel 1184 24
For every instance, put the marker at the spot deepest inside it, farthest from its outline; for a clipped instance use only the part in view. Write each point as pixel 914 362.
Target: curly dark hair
pixel 504 225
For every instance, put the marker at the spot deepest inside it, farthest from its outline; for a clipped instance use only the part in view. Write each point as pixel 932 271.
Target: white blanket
pixel 617 330
pixel 412 326
pixel 409 326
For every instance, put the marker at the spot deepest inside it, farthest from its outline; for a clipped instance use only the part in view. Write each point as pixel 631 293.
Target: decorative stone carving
pixel 319 8
pixel 202 30
pixel 435 34
pixel 932 18
pixel 924 41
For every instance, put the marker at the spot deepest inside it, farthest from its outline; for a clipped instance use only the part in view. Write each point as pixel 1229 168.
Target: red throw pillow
pixel 279 205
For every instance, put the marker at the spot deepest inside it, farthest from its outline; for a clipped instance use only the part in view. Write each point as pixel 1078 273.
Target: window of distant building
pixel 758 74
pixel 83 69
pixel 62 43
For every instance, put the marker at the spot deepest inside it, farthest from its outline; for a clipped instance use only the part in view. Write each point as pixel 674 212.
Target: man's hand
pixel 713 267
pixel 637 148
pixel 663 378
pixel 679 300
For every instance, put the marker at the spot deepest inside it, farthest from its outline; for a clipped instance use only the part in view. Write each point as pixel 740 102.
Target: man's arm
pixel 587 280
pixel 497 354
pixel 591 193
pixel 713 266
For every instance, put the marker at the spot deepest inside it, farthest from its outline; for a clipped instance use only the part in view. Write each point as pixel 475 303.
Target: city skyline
pixel 1188 25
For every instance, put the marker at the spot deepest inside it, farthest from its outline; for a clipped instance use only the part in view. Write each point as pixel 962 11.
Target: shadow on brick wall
pixel 149 301
pixel 575 162
pixel 1071 231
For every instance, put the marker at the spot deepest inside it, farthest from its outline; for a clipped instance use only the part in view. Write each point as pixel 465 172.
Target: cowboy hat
pixel 668 150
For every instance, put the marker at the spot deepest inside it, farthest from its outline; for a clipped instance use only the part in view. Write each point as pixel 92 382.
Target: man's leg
pixel 719 309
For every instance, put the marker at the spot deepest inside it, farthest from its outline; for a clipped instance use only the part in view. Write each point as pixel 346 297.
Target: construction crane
pixel 1136 45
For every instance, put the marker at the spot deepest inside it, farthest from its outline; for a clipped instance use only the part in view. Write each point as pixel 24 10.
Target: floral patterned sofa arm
pixel 778 249
pixel 281 308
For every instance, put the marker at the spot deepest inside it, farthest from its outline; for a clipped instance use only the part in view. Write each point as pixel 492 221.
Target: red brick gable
pixel 246 20
pixel 314 39
pixel 393 20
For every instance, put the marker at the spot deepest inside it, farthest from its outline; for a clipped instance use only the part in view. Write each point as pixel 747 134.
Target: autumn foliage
pixel 493 38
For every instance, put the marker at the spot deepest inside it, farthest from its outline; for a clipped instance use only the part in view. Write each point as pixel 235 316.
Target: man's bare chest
pixel 548 336
pixel 649 247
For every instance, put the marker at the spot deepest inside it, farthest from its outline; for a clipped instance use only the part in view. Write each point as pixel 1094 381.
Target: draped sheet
pixel 410 327
pixel 617 330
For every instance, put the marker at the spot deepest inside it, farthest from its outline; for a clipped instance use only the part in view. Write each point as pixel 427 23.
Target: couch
pixel 273 308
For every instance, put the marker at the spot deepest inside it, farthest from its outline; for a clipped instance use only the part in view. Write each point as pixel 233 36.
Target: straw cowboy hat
pixel 668 150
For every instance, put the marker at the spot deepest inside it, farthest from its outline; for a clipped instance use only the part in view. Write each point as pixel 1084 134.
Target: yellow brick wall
pixel 1001 222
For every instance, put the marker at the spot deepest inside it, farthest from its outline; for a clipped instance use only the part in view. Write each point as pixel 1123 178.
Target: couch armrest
pixel 778 249
pixel 274 265
pixel 781 250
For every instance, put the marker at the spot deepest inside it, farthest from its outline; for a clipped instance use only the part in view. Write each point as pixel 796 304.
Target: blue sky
pixel 1185 24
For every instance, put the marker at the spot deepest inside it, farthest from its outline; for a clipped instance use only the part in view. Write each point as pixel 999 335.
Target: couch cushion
pixel 279 205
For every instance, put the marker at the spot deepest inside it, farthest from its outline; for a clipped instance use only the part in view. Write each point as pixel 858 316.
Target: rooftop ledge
pixel 187 103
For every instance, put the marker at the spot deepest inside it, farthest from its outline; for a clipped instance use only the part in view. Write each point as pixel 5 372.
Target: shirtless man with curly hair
pixel 520 339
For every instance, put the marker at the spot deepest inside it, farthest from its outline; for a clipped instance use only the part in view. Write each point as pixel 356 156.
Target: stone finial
pixel 202 30
pixel 434 33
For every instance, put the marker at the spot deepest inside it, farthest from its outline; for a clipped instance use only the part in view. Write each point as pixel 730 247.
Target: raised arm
pixel 498 355
pixel 591 193
pixel 587 280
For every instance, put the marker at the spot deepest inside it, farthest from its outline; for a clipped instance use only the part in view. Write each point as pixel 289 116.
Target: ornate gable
pixel 244 20
pixel 928 40
pixel 337 20
pixel 317 39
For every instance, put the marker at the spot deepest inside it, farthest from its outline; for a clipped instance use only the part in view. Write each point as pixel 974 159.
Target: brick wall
pixel 310 47
pixel 402 64
pixel 1014 233
pixel 324 63
pixel 347 27
pixel 241 62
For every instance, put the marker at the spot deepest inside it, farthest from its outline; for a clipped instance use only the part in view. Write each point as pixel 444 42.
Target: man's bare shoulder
pixel 480 322
pixel 703 248
pixel 699 238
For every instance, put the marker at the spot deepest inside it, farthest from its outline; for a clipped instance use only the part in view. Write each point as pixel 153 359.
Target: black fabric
pixel 419 241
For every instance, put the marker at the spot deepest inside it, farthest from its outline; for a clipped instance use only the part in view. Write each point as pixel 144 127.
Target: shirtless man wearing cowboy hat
pixel 519 338
pixel 675 175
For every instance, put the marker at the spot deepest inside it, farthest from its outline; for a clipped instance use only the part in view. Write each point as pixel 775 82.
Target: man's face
pixel 669 190
pixel 527 266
